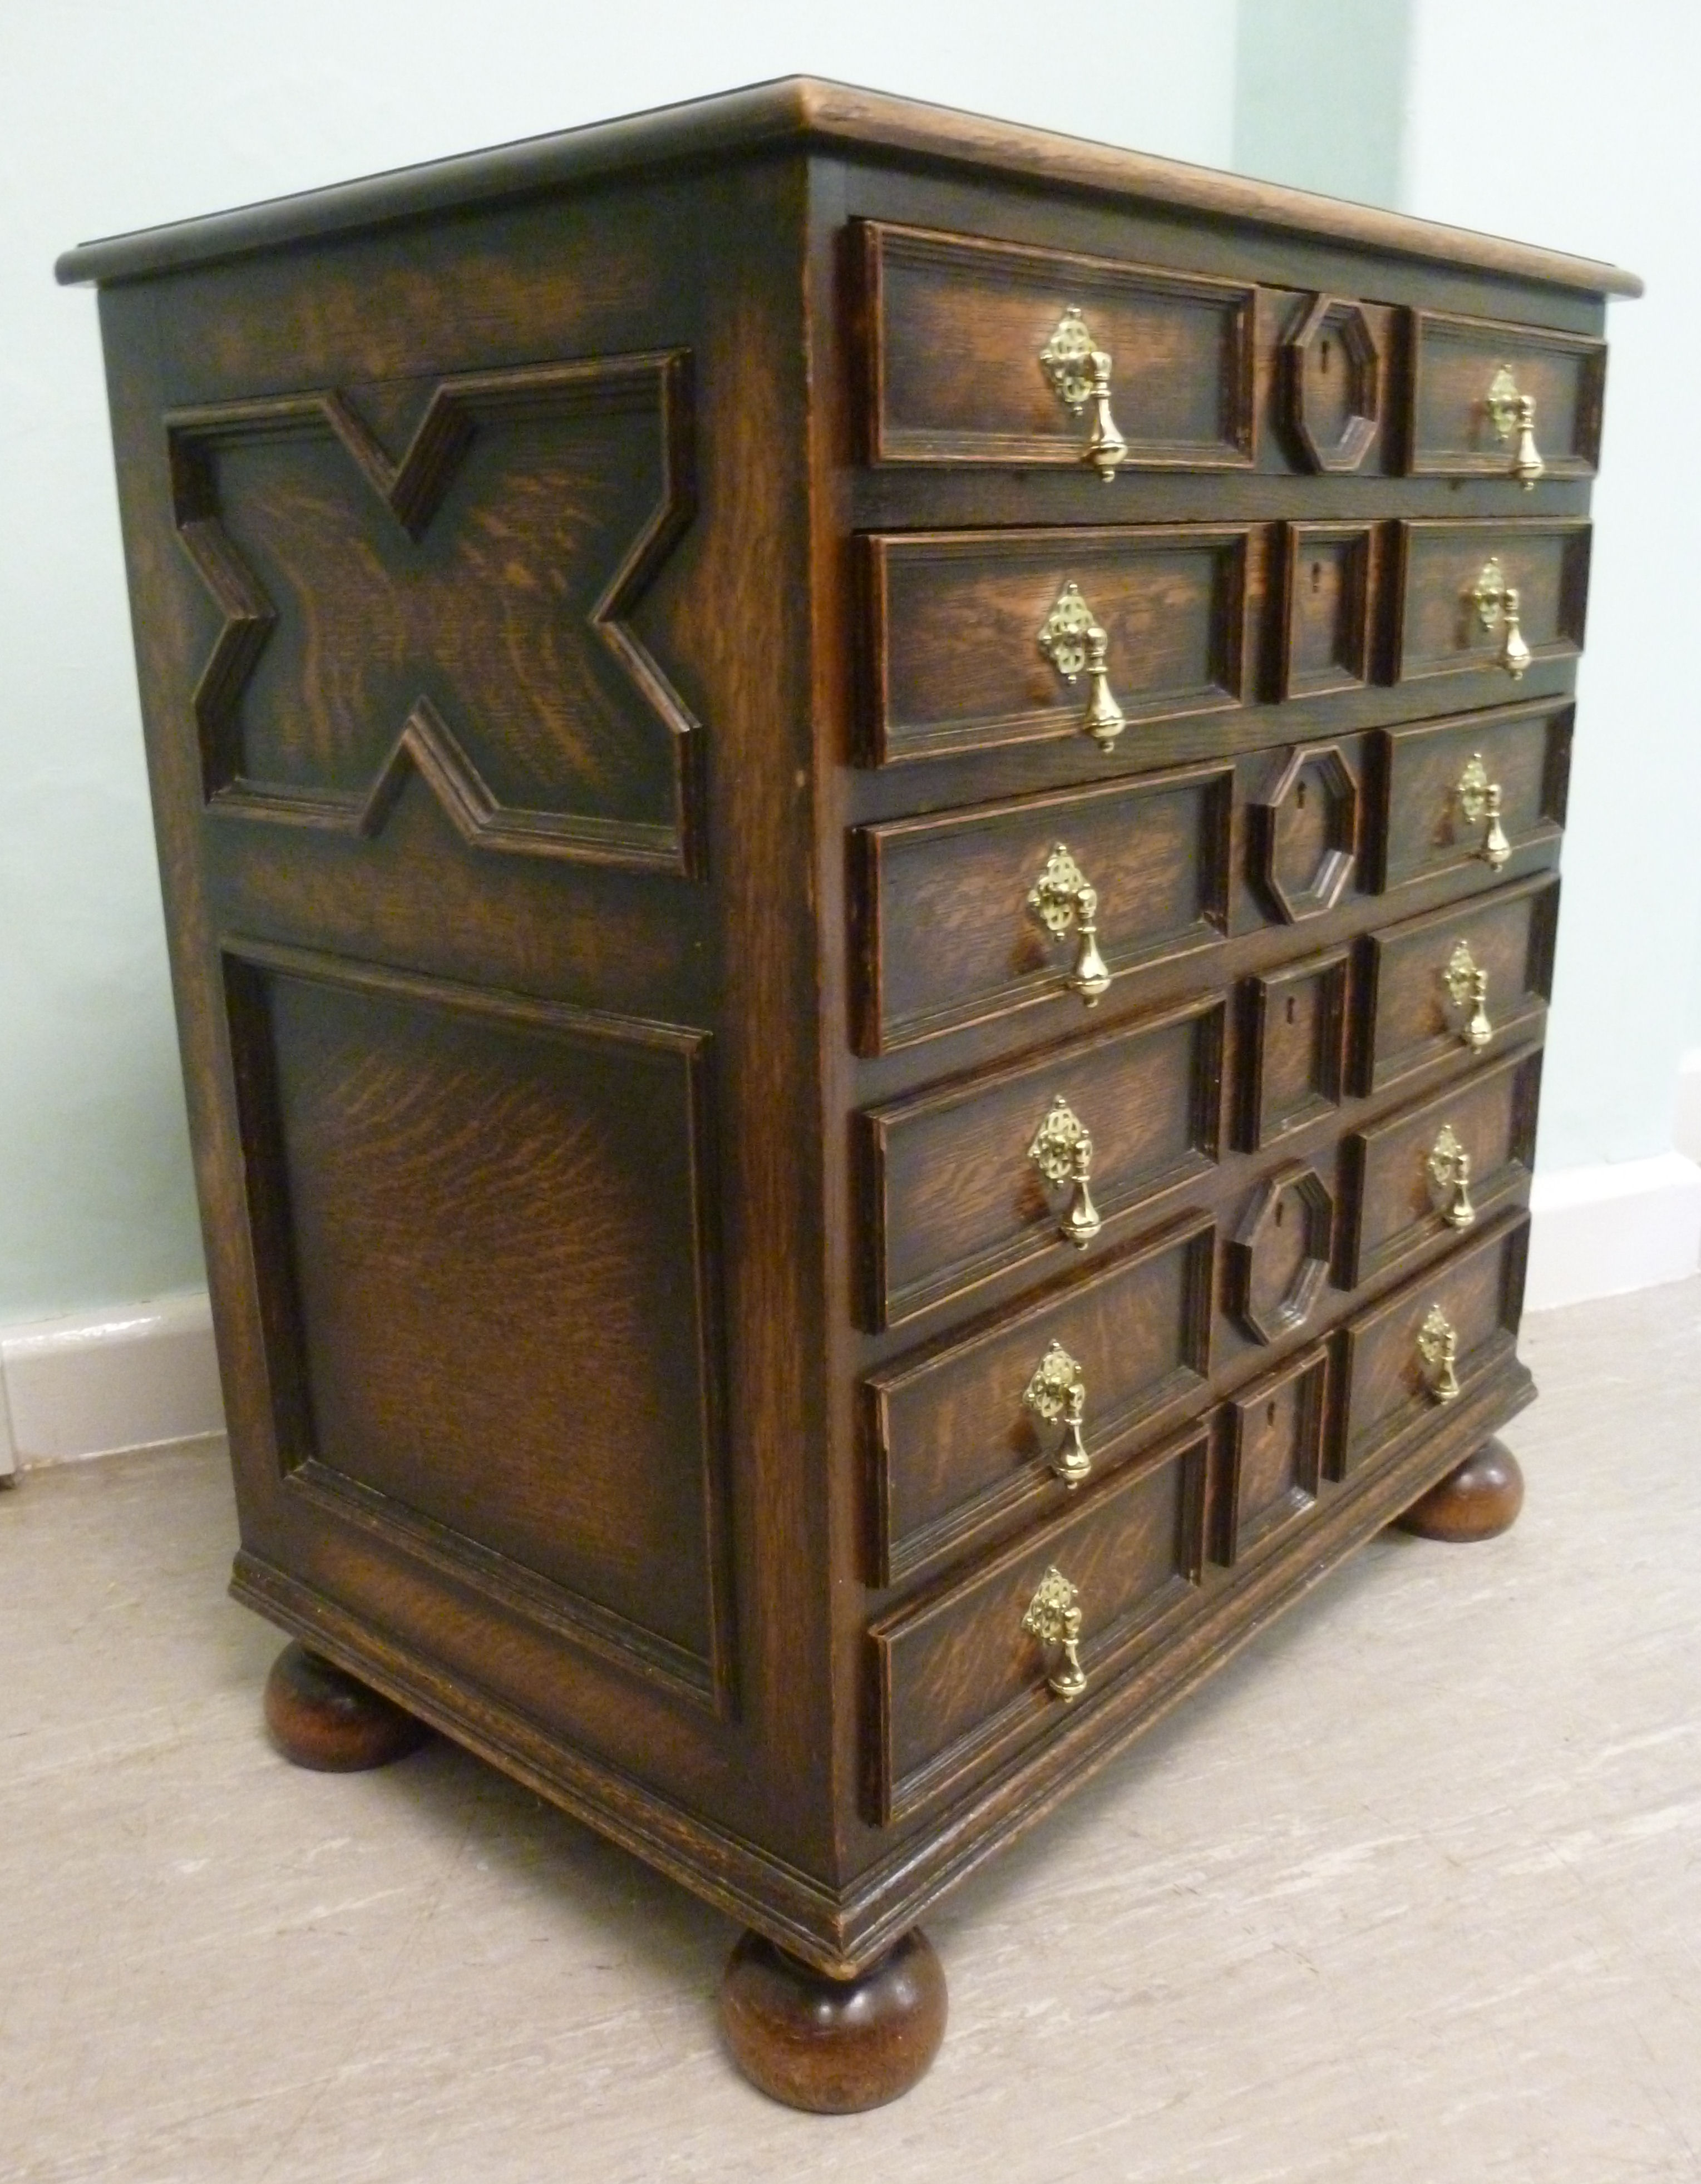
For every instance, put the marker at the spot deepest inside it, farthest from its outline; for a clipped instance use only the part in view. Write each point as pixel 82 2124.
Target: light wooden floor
pixel 1412 1895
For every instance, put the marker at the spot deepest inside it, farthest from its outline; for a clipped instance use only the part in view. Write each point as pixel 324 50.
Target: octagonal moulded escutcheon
pixel 1304 832
pixel 1333 380
pixel 1278 1258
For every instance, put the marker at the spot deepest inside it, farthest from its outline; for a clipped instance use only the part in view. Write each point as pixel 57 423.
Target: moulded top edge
pixel 803 112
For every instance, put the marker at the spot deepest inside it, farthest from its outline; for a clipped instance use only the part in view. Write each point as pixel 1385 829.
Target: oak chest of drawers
pixel 859 818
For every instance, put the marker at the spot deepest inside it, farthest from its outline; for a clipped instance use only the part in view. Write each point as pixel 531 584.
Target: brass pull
pixel 1438 1349
pixel 1072 640
pixel 1497 608
pixel 1449 1170
pixel 1513 416
pixel 1063 897
pixel 1058 1390
pixel 1054 1616
pixel 1467 985
pixel 1079 373
pixel 1062 1151
pixel 1479 798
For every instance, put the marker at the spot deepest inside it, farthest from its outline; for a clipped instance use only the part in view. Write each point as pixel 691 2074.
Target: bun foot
pixel 1476 1501
pixel 318 1715
pixel 834 2045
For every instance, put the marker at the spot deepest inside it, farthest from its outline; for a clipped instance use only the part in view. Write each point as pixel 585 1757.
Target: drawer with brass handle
pixel 976 639
pixel 1013 1649
pixel 1489 596
pixel 968 915
pixel 1026 1164
pixel 1466 795
pixel 1431 1342
pixel 1498 400
pixel 1462 979
pixel 986 352
pixel 1447 1163
pixel 975 1434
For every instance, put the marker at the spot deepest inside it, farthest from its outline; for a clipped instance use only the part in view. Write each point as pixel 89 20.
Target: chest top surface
pixel 804 113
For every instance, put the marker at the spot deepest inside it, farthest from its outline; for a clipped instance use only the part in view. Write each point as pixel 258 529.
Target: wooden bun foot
pixel 1476 1501
pixel 320 1716
pixel 834 2045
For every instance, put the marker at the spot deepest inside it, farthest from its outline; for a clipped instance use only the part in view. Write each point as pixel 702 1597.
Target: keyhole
pixel 1316 576
pixel 1281 1208
pixel 1292 1009
pixel 1325 356
pixel 1299 798
pixel 1269 1414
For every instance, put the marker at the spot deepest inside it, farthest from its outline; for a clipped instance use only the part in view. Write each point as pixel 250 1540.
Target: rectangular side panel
pixel 1393 1369
pixel 976 641
pixel 963 1439
pixel 1419 997
pixel 973 915
pixel 1449 624
pixel 480 1223
pixel 958 1194
pixel 961 1681
pixel 1442 784
pixel 956 324
pixel 1460 428
pixel 1405 1184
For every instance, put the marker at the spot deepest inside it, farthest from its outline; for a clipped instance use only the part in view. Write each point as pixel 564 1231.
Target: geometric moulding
pixel 1304 832
pixel 1334 385
pixel 468 613
pixel 1278 1259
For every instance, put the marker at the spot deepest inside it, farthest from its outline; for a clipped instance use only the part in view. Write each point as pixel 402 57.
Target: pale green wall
pixel 114 116
pixel 1319 95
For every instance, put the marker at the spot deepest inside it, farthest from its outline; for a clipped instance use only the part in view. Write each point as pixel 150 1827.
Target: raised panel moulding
pixel 317 549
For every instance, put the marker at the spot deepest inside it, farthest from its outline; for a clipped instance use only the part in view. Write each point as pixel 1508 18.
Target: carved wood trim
pixel 412 489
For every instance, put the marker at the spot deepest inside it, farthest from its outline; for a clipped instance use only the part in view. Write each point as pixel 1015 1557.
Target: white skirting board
pixel 1598 1232
pixel 93 1384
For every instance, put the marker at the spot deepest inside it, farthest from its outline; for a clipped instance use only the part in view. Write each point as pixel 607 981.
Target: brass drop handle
pixel 1079 370
pixel 1071 639
pixel 1054 1618
pixel 1467 985
pixel 1062 1151
pixel 1448 1165
pixel 1061 897
pixel 1438 1354
pixel 1513 416
pixel 1497 608
pixel 1479 798
pixel 1058 1390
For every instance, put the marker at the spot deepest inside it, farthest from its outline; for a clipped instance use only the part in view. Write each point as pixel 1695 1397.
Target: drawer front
pixel 960 330
pixel 967 916
pixel 1454 612
pixel 1410 1357
pixel 978 640
pixel 1293 1062
pixel 1467 374
pixel 967 1435
pixel 971 1180
pixel 964 1678
pixel 1470 792
pixel 1447 1163
pixel 1423 979
pixel 1274 1440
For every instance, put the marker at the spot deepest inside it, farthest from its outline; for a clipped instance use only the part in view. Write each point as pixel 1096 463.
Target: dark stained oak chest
pixel 860 816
